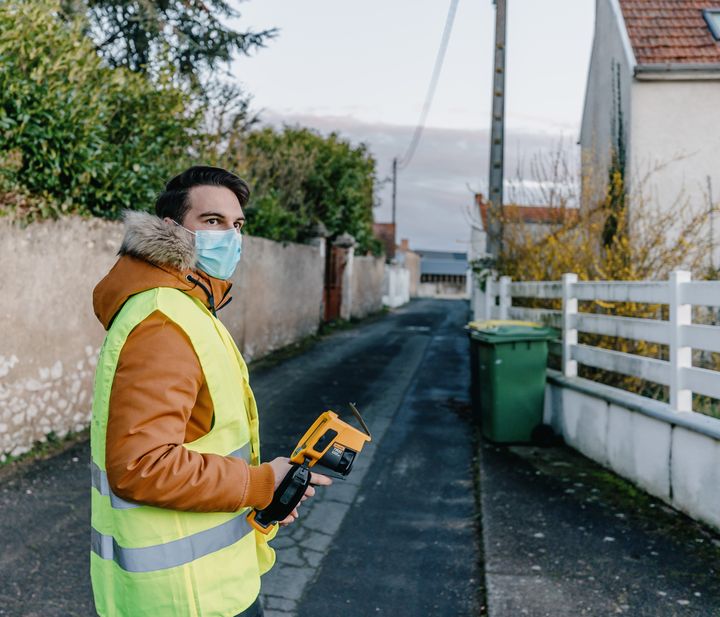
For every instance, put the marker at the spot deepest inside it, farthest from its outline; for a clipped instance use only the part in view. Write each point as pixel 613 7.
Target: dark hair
pixel 174 201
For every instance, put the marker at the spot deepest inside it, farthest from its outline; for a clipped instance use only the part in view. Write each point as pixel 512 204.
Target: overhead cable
pixel 404 161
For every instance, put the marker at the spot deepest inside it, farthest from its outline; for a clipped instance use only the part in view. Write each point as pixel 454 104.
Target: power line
pixel 404 161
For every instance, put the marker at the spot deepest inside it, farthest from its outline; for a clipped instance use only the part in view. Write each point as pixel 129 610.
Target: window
pixel 712 17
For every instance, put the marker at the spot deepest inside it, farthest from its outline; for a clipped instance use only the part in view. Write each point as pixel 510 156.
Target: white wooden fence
pixel 679 292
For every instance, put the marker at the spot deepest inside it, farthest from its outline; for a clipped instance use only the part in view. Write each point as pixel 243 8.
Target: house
pixel 443 274
pixel 538 221
pixel 652 104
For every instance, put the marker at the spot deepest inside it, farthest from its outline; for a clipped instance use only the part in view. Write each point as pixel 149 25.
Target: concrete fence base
pixel 672 455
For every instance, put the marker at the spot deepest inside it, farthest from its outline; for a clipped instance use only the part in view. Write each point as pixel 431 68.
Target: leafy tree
pixel 85 137
pixel 301 178
pixel 188 33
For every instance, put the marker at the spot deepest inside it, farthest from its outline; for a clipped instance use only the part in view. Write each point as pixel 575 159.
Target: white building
pixel 654 87
pixel 443 274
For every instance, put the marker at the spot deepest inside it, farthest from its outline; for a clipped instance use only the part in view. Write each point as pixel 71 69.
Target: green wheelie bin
pixel 475 326
pixel 508 381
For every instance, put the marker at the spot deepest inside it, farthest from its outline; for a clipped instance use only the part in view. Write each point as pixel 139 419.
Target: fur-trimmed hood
pixel 150 238
pixel 155 254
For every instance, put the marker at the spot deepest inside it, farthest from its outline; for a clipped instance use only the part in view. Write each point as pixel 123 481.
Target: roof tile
pixel 531 215
pixel 670 31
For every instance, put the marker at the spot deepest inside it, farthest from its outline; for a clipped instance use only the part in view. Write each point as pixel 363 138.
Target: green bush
pixel 87 138
pixel 301 178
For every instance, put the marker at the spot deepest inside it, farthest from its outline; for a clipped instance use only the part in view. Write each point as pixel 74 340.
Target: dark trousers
pixel 254 610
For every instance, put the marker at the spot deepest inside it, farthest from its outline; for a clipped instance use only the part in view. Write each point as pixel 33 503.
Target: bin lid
pixel 494 323
pixel 509 332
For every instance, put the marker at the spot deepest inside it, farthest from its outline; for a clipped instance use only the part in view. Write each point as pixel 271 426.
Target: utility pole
pixel 497 139
pixel 394 189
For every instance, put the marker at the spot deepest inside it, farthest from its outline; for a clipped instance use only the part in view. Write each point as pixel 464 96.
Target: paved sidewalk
pixel 563 537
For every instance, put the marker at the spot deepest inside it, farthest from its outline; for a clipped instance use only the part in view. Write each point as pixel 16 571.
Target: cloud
pixel 449 165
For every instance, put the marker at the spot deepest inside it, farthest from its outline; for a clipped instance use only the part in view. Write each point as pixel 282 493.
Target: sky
pixel 363 68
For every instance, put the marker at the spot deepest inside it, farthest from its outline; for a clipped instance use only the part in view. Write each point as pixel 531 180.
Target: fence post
pixel 489 297
pixel 569 331
pixel 505 299
pixel 680 357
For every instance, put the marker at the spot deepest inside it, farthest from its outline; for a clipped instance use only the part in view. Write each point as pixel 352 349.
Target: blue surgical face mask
pixel 218 252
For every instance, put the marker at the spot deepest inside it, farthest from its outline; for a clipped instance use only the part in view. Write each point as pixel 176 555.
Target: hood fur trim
pixel 150 238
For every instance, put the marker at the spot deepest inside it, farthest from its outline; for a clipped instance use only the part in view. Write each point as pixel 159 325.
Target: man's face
pixel 215 208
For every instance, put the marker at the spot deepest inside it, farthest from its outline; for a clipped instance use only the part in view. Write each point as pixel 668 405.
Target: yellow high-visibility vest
pixel 157 562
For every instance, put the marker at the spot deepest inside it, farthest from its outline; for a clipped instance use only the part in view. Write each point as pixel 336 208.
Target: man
pixel 174 435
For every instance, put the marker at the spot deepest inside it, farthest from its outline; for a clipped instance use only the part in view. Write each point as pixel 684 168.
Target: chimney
pixel 404 245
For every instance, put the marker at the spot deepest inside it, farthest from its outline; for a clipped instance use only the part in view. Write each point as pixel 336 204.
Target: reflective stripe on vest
pixel 100 482
pixel 171 554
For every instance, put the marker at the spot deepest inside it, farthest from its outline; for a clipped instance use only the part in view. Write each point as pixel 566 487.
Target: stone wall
pixel 50 337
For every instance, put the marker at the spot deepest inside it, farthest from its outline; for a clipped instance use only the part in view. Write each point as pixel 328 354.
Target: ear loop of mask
pixel 185 228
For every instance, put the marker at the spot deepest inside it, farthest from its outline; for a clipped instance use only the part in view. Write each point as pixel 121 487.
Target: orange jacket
pixel 159 397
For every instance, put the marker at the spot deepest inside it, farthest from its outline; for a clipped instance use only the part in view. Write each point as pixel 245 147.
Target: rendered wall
pixel 367 285
pixel 277 295
pixel 411 261
pixel 396 286
pixel 50 337
pixel 675 150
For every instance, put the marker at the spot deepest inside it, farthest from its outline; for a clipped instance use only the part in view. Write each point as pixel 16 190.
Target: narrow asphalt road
pixel 398 537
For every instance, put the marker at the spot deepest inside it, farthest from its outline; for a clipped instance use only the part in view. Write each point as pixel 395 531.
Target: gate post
pixel 680 355
pixel 489 298
pixel 319 241
pixel 345 245
pixel 505 298
pixel 569 330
